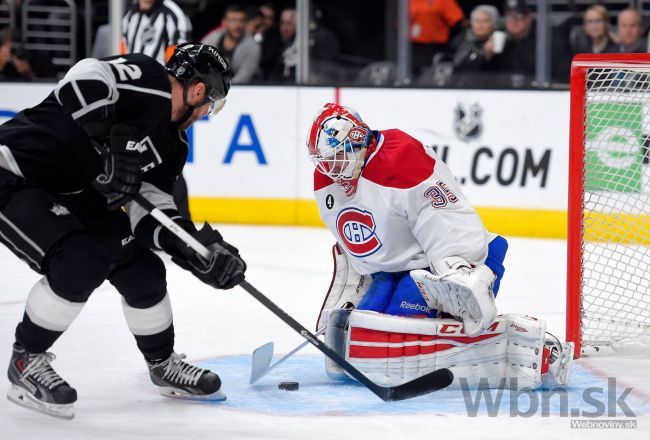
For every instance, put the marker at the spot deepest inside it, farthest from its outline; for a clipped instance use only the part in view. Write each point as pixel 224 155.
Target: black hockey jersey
pixel 55 145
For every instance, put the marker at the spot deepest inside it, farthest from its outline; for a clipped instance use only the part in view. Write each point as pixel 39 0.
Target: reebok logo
pixel 410 306
pixel 519 328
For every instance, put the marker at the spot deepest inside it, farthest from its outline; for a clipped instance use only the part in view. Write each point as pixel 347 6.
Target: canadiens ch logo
pixel 357 231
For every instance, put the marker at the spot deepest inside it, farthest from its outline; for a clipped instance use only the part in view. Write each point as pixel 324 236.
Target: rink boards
pixel 508 150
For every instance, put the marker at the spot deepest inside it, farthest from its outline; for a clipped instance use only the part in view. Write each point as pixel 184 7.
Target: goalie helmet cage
pixel 608 273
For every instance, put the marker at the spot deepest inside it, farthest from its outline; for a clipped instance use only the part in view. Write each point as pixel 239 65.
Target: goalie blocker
pixel 513 351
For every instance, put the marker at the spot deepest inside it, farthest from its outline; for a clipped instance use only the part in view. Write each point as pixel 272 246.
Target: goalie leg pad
pixel 347 286
pixel 392 350
pixel 335 338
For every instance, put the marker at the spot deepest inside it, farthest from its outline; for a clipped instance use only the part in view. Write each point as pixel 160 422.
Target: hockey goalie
pixel 415 271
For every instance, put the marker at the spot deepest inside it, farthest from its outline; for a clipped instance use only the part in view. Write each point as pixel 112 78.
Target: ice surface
pixel 220 329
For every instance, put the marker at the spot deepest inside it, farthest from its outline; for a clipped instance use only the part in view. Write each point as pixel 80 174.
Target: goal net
pixel 608 295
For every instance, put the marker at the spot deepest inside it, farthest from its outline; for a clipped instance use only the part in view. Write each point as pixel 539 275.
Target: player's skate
pixel 178 379
pixel 35 384
pixel 560 362
pixel 463 291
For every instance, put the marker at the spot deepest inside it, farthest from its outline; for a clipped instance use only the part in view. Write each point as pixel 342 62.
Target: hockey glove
pixel 122 174
pixel 225 268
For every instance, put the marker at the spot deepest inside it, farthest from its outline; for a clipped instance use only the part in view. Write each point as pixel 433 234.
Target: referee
pixel 154 28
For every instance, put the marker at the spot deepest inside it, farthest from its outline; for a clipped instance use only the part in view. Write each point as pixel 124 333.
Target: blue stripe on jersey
pixel 496 254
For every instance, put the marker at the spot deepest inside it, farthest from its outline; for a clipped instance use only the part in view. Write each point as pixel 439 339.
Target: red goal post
pixel 608 260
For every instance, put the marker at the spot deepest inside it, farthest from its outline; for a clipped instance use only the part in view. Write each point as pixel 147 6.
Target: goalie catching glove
pixel 225 268
pixel 122 175
pixel 461 290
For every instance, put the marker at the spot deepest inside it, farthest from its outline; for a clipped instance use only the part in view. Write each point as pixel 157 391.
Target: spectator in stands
pixel 629 30
pixel 268 12
pixel 14 65
pixel 596 26
pixel 476 52
pixel 518 59
pixel 284 69
pixel 323 44
pixel 255 24
pixel 323 51
pixel 431 24
pixel 272 45
pixel 154 27
pixel 240 49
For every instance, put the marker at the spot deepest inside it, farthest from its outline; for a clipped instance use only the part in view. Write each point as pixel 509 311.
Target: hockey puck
pixel 288 386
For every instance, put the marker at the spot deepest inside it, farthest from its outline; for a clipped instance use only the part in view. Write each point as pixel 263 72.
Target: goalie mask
pixel 337 142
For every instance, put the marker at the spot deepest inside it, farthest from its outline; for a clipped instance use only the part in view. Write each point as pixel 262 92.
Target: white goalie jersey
pixel 408 211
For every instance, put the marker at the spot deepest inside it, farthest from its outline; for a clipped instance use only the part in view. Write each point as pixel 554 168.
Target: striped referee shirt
pixel 155 32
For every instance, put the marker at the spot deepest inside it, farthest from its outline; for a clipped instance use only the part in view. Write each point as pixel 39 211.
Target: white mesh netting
pixel 615 296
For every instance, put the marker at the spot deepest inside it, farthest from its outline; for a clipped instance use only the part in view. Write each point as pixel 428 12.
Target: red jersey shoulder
pixel 321 180
pixel 401 162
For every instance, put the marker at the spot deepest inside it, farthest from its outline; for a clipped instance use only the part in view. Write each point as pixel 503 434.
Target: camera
pixel 18 51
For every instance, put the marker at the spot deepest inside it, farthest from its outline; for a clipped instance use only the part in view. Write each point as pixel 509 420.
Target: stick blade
pixel 434 381
pixel 260 361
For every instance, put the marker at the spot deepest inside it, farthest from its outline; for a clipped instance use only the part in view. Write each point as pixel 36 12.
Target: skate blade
pixel 23 398
pixel 175 393
pixel 564 374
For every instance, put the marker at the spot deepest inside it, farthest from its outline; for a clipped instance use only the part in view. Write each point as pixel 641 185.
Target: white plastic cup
pixel 499 40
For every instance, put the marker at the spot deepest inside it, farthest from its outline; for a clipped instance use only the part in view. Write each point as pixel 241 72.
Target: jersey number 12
pixel 127 72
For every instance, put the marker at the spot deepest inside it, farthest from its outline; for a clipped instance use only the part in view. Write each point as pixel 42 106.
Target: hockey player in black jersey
pixel 110 129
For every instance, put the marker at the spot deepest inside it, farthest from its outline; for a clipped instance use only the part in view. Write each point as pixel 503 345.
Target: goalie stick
pixel 262 355
pixel 426 384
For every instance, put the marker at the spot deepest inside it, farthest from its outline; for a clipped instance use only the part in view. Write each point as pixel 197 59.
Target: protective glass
pixel 216 101
pixel 216 106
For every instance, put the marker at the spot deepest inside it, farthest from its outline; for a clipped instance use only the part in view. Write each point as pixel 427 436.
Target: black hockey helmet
pixel 193 62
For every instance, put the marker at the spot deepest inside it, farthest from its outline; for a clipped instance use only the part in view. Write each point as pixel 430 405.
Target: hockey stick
pixel 426 384
pixel 262 355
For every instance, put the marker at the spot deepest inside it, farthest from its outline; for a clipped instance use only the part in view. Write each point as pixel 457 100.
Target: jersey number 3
pixel 441 195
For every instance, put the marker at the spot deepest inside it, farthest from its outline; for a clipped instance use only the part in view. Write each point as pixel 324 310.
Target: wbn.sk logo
pixel 525 403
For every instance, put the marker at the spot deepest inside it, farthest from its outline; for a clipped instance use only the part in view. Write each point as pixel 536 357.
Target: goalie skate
pixel 179 380
pixel 35 385
pixel 560 362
